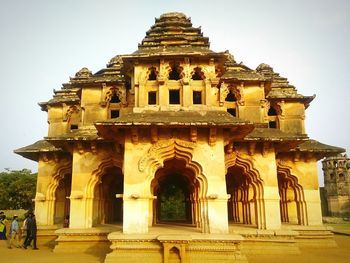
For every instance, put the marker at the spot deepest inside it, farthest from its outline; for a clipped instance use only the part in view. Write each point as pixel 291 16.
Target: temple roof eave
pixel 88 133
pixel 306 100
pixel 318 147
pixel 273 135
pixel 33 151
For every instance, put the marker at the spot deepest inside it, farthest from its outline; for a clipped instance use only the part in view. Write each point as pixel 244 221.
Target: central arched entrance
pixel 176 191
pixel 173 197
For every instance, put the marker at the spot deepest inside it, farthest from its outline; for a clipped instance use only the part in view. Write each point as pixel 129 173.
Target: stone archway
pixel 107 204
pixel 156 163
pixel 177 195
pixel 104 192
pixel 62 201
pixel 57 194
pixel 292 201
pixel 246 202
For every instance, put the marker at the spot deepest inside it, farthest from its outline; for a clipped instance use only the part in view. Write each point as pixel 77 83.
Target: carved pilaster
pixel 251 148
pixel 193 134
pixel 134 135
pixel 265 149
pixel 212 136
pixel 154 134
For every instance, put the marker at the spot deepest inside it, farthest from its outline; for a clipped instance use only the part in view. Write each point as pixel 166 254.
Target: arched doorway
pixel 108 204
pixel 62 202
pixel 242 205
pixel 174 199
pixel 176 190
pixel 292 204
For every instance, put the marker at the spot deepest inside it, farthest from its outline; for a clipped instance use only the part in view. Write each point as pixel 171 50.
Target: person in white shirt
pixel 14 232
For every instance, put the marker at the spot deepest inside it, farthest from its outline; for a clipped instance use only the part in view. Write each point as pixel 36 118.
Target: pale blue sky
pixel 43 43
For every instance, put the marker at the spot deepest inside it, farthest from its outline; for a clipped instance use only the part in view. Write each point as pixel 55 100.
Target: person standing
pixel 3 222
pixel 24 229
pixel 31 231
pixel 14 233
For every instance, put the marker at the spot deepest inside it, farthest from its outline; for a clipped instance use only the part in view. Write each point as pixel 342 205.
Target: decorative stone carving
pixel 70 111
pixel 84 73
pixel 117 90
pixel 224 91
pixel 172 145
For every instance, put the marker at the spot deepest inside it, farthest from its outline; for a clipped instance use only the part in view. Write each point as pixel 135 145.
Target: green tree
pixel 17 189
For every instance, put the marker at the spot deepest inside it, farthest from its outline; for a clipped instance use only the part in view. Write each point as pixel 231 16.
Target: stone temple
pixel 177 153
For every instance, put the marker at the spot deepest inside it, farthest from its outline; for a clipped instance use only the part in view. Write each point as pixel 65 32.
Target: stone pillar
pixel 136 214
pixel 269 216
pixel 84 163
pixel 214 210
pixel 44 205
pixel 186 94
pixel 217 214
pixel 272 217
pixel 137 198
pixel 163 95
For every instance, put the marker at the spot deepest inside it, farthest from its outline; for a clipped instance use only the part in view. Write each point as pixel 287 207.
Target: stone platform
pixel 179 243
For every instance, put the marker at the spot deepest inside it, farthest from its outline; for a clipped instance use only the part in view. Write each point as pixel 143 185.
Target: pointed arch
pixel 175 149
pixel 62 171
pixel 289 183
pixel 94 210
pixel 98 173
pixel 250 192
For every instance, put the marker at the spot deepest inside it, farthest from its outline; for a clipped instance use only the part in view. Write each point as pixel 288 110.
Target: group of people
pixel 29 230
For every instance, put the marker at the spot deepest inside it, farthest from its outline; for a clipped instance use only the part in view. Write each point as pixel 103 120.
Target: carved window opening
pixel 152 98
pixel 273 124
pixel 341 177
pixel 232 111
pixel 114 114
pixel 74 126
pixel 197 97
pixel 115 98
pixel 175 73
pixel 231 97
pixel 198 74
pixel 332 176
pixel 273 118
pixel 153 74
pixel 272 112
pixel 174 96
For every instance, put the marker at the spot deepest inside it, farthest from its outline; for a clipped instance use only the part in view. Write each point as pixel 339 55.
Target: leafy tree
pixel 17 189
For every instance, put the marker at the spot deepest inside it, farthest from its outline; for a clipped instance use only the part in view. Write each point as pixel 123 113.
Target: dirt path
pixel 45 255
pixel 341 254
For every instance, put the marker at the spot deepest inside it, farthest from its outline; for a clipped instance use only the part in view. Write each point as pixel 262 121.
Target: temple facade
pixel 176 134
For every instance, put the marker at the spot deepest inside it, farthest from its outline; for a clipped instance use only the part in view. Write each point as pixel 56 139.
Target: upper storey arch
pixel 175 71
pixel 197 74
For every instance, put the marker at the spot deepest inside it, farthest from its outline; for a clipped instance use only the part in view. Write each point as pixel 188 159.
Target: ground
pixel 317 255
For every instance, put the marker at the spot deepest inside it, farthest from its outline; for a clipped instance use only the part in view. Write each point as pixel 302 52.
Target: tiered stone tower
pixel 337 185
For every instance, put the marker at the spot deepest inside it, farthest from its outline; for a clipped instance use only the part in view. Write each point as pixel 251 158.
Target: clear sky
pixel 43 43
